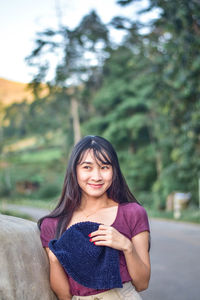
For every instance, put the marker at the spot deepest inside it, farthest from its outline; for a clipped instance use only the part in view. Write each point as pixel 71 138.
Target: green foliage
pixel 34 174
pixel 192 214
pixel 142 95
pixel 16 115
pixel 49 191
pixel 39 156
pixel 123 116
pixel 6 183
pixel 15 214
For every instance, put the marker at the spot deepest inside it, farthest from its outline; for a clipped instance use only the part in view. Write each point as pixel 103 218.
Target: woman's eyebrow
pixel 86 162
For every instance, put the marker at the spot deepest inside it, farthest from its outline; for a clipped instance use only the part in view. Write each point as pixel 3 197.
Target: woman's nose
pixel 96 174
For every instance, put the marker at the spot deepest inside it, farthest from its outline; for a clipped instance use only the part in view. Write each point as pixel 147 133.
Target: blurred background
pixel 128 71
pixel 125 70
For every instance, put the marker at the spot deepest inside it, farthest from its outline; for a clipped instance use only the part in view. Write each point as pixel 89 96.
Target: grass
pixel 15 214
pixel 50 204
pixel 192 214
pixel 38 156
pixel 44 204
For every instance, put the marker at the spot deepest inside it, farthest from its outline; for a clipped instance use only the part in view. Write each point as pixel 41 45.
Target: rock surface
pixel 24 265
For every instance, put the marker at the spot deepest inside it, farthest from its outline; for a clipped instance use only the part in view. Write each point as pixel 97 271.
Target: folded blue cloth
pixel 92 266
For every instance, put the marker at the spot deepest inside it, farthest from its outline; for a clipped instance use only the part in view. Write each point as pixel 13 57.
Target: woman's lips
pixel 95 186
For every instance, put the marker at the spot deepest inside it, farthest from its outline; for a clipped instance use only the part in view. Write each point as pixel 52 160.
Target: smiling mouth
pixel 95 186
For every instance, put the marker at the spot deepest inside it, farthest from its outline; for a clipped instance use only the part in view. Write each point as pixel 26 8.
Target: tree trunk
pixel 158 162
pixel 76 121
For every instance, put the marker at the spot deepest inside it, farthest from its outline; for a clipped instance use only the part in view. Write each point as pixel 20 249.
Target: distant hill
pixel 12 91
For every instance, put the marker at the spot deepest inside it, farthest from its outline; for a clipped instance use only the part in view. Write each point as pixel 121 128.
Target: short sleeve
pixel 137 219
pixel 47 230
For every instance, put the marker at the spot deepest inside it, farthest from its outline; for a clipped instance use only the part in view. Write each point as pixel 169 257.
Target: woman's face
pixel 94 177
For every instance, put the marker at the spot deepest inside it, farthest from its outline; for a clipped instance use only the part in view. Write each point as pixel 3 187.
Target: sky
pixel 21 19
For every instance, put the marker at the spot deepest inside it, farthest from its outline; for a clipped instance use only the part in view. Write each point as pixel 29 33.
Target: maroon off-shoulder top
pixel 131 219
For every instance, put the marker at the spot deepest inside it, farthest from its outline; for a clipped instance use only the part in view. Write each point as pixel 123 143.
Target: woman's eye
pixel 105 167
pixel 86 167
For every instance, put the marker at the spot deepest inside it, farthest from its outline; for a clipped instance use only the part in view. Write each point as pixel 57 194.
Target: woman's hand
pixel 135 252
pixel 109 236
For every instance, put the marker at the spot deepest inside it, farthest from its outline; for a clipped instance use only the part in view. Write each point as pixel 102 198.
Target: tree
pixel 122 111
pixel 173 49
pixel 83 50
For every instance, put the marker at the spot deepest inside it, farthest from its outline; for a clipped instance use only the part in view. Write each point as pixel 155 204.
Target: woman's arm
pixel 58 279
pixel 135 252
pixel 138 261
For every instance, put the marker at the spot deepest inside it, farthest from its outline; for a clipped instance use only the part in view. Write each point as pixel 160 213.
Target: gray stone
pixel 24 266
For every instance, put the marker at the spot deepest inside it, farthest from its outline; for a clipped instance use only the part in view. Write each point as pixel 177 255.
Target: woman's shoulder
pixel 132 219
pixel 49 222
pixel 132 208
pixel 47 230
pixel 134 216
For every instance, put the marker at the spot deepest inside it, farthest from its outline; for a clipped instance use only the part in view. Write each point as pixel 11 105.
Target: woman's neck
pixel 89 203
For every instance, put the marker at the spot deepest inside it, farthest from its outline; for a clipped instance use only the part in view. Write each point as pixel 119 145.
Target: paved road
pixel 175 259
pixel 34 213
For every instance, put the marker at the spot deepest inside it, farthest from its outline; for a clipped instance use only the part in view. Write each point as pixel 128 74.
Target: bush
pixel 145 198
pixel 16 214
pixel 6 185
pixel 167 183
pixel 49 190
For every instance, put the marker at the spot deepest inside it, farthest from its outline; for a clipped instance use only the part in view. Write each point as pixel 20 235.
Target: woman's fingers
pixel 108 236
pixel 104 236
pixel 101 230
pixel 104 227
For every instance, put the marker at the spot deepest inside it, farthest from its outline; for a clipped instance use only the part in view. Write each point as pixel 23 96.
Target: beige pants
pixel 128 292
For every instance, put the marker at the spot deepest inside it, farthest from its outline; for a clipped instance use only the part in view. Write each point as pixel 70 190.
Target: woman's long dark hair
pixel 71 194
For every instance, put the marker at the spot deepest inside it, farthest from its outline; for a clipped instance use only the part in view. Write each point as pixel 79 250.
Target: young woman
pixel 95 191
